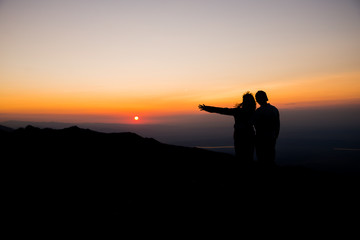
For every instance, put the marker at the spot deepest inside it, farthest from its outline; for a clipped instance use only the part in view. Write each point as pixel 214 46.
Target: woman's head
pixel 248 102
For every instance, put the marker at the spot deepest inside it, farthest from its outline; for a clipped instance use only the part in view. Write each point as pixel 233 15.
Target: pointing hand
pixel 202 107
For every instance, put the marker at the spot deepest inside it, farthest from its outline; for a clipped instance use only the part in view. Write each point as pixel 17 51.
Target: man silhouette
pixel 267 126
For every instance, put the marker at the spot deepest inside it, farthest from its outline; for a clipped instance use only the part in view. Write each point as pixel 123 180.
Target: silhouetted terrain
pixel 310 145
pixel 78 173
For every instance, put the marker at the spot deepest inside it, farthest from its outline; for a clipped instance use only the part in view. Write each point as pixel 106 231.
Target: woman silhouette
pixel 244 134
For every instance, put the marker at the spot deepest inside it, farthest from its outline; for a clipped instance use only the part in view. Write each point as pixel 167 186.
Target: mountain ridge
pixel 122 174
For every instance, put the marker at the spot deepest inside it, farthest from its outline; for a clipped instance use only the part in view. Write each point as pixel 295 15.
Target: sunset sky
pixel 114 59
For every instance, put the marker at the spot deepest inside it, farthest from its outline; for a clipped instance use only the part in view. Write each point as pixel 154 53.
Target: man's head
pixel 261 97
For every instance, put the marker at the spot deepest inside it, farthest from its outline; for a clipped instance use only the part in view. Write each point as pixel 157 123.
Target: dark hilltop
pixel 76 173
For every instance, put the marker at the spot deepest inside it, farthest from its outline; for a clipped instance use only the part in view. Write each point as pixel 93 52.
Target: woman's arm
pixel 225 111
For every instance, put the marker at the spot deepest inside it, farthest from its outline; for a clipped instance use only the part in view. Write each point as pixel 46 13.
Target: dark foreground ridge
pixel 78 173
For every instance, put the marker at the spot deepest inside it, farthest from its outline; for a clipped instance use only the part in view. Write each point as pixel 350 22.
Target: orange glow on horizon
pixel 294 93
pixel 156 59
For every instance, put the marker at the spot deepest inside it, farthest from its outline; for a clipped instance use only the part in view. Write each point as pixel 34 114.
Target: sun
pixel 136 118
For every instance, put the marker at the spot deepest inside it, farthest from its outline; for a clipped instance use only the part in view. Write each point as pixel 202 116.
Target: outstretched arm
pixel 225 111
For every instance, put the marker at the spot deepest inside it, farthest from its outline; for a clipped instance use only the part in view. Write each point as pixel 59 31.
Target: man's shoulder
pixel 272 106
pixel 274 109
pixel 266 108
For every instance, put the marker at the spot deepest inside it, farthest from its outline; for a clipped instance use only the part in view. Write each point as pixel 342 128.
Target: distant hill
pixel 6 129
pixel 75 172
pixel 314 148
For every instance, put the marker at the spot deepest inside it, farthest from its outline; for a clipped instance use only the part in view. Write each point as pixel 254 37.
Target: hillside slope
pixel 81 173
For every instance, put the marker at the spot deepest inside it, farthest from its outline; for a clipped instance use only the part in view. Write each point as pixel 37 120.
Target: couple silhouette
pixel 265 120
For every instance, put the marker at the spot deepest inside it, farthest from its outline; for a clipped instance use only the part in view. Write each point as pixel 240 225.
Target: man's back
pixel 267 121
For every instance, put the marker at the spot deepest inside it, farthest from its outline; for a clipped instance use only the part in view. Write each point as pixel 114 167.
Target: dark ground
pixel 77 175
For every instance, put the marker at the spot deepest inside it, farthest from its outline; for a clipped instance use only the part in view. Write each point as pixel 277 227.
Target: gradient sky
pixel 151 58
